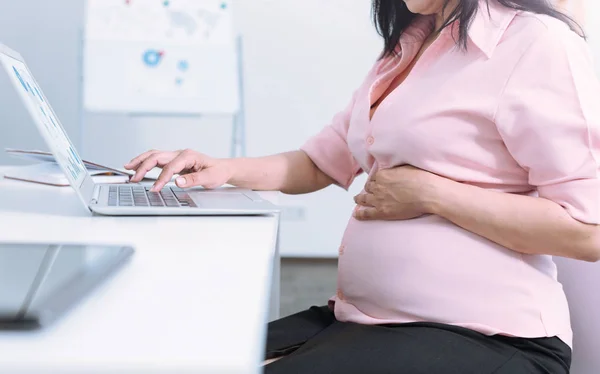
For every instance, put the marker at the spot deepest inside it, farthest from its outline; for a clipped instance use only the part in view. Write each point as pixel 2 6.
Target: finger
pixel 147 165
pixel 182 162
pixel 134 163
pixel 367 214
pixel 370 187
pixel 365 199
pixel 207 178
pixel 159 159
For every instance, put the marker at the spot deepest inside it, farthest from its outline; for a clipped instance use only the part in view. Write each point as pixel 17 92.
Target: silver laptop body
pixel 119 199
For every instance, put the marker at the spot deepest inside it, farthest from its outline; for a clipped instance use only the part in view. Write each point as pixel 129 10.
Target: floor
pixel 306 282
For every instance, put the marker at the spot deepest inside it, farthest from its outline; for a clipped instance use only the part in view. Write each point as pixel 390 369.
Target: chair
pixel 581 283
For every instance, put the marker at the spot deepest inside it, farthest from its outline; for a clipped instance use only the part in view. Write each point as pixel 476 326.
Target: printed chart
pixel 164 56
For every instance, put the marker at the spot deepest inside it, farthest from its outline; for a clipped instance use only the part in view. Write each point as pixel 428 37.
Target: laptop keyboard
pixel 130 196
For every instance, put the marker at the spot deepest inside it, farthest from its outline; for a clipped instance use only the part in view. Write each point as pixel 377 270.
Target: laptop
pixel 40 283
pixel 122 199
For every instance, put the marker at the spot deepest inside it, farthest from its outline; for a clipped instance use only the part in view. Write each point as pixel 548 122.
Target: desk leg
pixel 274 307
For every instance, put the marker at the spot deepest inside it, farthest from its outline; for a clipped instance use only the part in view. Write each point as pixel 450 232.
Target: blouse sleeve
pixel 549 119
pixel 329 149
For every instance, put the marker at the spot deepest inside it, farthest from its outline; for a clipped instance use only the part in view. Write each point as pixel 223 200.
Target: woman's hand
pixel 401 193
pixel 195 169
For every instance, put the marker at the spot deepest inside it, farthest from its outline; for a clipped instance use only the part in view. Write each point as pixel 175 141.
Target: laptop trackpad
pixel 207 198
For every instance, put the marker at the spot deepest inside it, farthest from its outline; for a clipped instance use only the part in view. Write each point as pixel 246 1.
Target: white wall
pixel 303 61
pixel 591 24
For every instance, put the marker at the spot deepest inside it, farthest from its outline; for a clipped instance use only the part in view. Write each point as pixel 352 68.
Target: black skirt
pixel 314 342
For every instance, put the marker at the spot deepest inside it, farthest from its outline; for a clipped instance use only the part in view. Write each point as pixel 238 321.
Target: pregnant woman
pixel 479 128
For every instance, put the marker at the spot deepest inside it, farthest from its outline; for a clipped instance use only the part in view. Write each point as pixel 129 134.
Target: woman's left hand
pixel 400 193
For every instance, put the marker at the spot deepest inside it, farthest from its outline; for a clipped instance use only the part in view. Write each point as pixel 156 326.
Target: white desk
pixel 186 302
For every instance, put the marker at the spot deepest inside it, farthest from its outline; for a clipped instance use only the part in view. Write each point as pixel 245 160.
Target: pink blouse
pixel 518 112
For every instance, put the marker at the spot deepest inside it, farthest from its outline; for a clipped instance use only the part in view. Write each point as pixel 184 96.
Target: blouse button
pixel 370 140
pixel 342 249
pixel 340 294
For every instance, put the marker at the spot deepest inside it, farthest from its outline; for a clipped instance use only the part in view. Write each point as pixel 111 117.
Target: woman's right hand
pixel 194 168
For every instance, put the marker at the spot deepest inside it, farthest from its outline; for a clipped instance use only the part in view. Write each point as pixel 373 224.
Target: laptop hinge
pixel 96 195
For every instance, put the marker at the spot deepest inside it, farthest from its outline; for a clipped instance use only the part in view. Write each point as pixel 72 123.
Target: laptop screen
pixel 45 119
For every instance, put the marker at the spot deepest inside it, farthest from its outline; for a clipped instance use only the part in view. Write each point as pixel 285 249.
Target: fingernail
pixel 181 181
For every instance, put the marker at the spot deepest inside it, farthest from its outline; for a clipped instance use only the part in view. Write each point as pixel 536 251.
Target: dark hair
pixel 392 18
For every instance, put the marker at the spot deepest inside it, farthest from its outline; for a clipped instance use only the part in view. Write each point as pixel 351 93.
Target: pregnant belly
pixel 430 269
